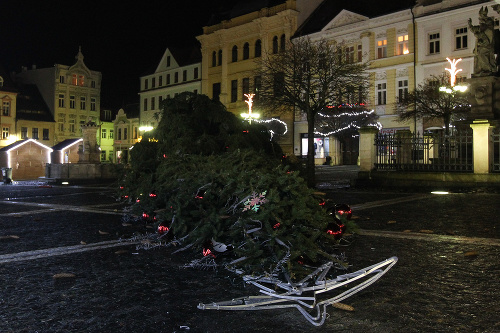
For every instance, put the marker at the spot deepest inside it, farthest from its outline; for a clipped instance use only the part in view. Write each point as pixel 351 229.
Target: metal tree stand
pixel 301 295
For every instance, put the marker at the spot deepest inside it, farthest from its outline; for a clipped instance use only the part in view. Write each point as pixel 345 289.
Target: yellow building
pixel 231 46
pixel 126 132
pixel 8 94
pixel 72 94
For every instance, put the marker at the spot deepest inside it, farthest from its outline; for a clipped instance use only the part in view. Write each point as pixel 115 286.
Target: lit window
pixel 434 45
pixel 382 48
pixel 461 38
pixel 74 80
pixel 81 80
pixel 381 93
pixel 402 45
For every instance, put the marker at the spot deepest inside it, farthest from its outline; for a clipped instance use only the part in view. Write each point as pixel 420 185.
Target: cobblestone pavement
pixel 446 279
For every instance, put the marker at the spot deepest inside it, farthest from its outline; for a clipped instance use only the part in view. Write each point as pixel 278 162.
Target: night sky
pixel 121 40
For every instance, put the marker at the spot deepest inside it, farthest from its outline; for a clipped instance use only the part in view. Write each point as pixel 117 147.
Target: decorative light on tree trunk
pixel 248 116
pixel 453 70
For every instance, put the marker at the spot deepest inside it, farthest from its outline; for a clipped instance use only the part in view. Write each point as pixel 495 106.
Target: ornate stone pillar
pixel 89 150
pixel 481 145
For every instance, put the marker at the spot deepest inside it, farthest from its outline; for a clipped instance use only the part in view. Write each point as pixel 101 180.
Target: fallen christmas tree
pixel 220 187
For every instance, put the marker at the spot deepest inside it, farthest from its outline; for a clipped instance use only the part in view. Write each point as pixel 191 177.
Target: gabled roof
pixel 31 105
pixel 180 57
pixel 19 143
pixel 328 10
pixel 66 144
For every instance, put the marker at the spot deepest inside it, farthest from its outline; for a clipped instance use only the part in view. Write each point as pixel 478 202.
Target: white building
pixel 178 71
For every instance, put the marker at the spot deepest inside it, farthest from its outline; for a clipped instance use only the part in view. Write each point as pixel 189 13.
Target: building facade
pixel 126 133
pixel 72 94
pixel 8 98
pixel 179 71
pixel 231 46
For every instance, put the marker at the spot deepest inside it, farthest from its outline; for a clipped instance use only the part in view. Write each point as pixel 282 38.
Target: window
pixel 196 70
pixel 74 80
pixel 6 108
pixel 145 104
pixel 275 44
pixel 24 132
pixel 81 80
pixel 214 59
pixel 461 38
pixel 34 133
pixel 168 61
pixel 135 132
pixel 78 80
pixel 382 48
pixel 61 79
pixel 258 48
pixel 176 77
pixel 349 54
pixel 216 91
pixel 168 78
pixel 257 83
pixel 146 85
pixel 72 102
pixel 234 91
pixel 402 45
pixel 92 104
pixel 45 134
pixel 245 87
pixel 160 99
pixel 234 54
pixel 1 81
pixel 72 125
pixel 152 103
pixel 125 134
pixel 83 103
pixel 434 43
pixel 92 84
pixel 246 51
pixel 61 100
pixel 279 84
pixel 360 53
pixel 111 134
pixel 153 82
pixel 103 155
pixel 60 124
pixel 160 80
pixel 381 93
pixel 402 89
pixel 119 134
pixel 220 58
pixel 184 75
pixel 282 43
pixel 103 133
pixel 5 133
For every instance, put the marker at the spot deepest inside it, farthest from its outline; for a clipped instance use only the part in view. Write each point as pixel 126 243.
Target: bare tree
pixel 434 99
pixel 308 76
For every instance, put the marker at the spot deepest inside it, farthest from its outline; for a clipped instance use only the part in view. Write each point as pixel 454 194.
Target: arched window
pixel 258 48
pixel 282 43
pixel 234 54
pixel 275 44
pixel 220 58
pixel 1 81
pixel 214 59
pixel 246 51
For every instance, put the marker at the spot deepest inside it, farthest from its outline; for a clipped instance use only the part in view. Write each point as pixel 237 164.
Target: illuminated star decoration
pixel 254 201
pixel 453 70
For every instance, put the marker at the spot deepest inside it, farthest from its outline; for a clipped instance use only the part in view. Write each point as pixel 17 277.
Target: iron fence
pixel 428 152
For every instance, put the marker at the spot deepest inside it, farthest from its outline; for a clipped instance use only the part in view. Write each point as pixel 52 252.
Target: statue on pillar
pixel 484 52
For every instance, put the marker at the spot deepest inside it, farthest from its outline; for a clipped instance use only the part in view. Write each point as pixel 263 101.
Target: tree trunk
pixel 310 168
